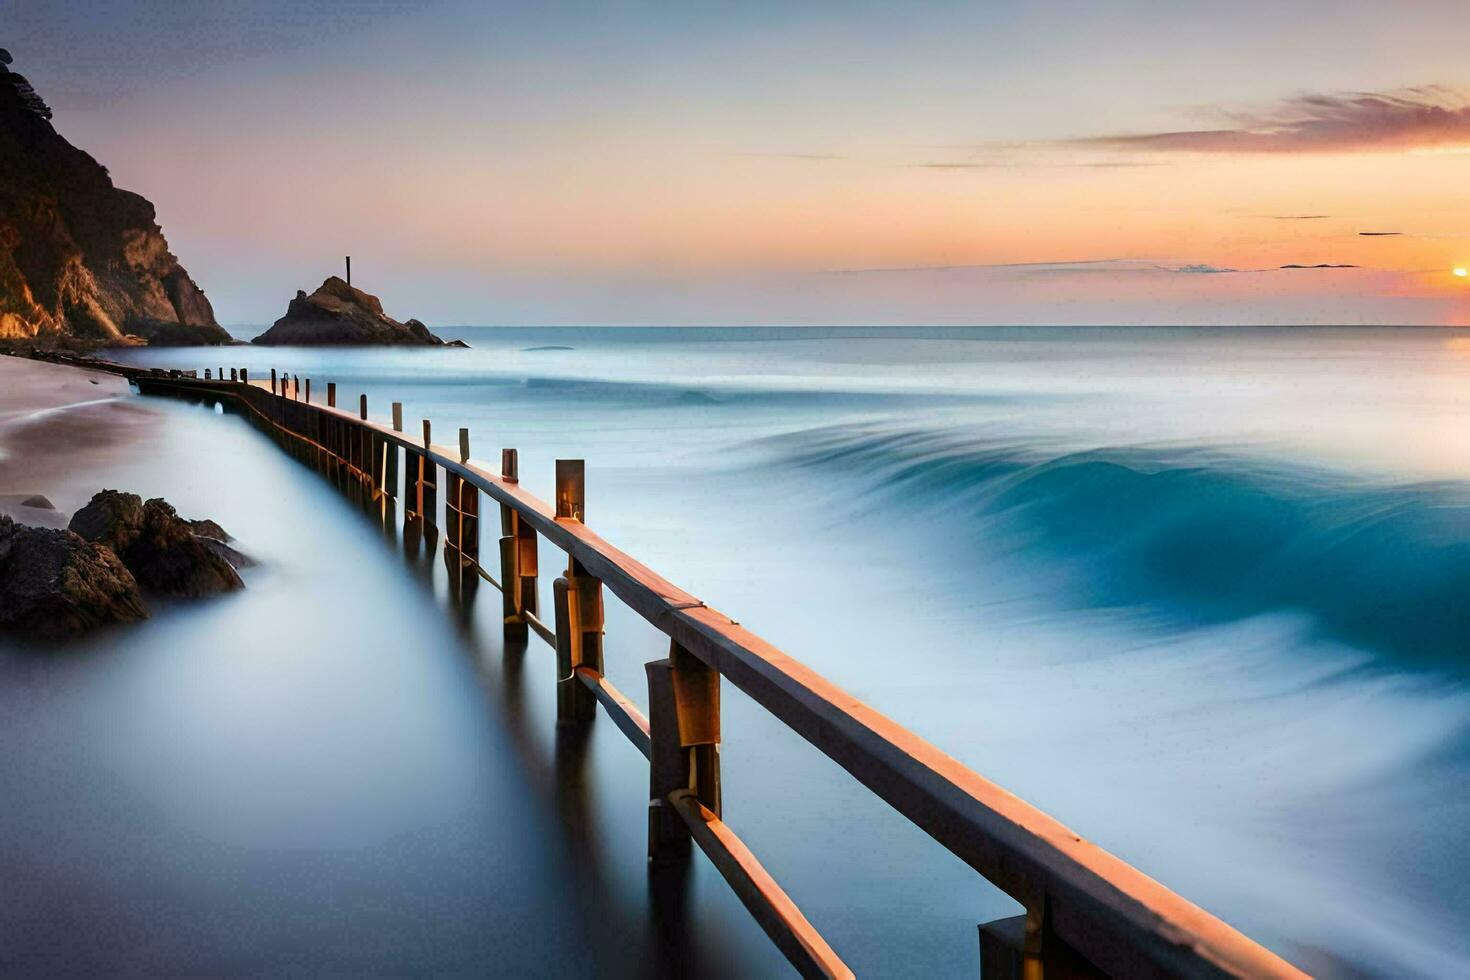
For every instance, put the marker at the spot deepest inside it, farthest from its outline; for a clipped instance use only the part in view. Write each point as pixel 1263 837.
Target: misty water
pixel 1198 593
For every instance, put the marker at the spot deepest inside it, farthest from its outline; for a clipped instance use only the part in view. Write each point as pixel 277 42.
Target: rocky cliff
pixel 338 314
pixel 78 256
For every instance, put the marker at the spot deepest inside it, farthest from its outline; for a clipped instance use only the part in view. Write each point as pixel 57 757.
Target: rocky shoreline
pixel 115 552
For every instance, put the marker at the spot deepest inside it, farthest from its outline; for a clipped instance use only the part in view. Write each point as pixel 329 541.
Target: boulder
pixel 162 550
pixel 217 539
pixel 55 584
pixel 111 517
pixel 210 529
pixel 339 314
pixel 170 559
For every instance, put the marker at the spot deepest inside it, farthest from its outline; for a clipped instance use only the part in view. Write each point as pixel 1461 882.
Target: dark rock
pixel 39 501
pixel 237 560
pixel 456 343
pixel 79 257
pixel 170 559
pixel 217 539
pixel 111 517
pixel 54 584
pixel 339 314
pixel 209 529
pixel 164 552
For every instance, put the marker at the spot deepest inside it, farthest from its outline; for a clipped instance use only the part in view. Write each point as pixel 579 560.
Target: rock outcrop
pixel 339 314
pixel 161 549
pixel 217 540
pixel 78 256
pixel 54 584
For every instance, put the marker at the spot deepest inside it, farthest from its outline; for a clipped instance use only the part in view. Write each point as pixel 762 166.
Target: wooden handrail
pixel 770 906
pixel 1124 922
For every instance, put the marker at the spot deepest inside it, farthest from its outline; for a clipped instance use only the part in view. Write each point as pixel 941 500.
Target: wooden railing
pixel 1087 912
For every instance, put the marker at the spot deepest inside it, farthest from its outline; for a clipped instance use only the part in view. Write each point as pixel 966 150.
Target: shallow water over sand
pixel 323 773
pixel 1196 593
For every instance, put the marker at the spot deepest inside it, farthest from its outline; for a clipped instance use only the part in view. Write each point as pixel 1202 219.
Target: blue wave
pixel 1208 535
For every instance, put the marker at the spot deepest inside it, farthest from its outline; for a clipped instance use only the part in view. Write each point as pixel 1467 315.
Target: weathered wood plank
pixel 620 709
pixel 767 902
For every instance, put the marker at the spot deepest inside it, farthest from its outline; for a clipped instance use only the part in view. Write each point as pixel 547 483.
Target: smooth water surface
pixel 1198 593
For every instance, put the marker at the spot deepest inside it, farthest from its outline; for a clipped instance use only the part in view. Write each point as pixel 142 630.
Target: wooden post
pixel 517 558
pixel 684 729
pixel 469 522
pixel 464 445
pixel 571 490
pixel 390 468
pixel 578 599
pixel 362 407
pixel 411 494
pixel 331 394
pixel 234 374
pixel 308 391
pixel 452 519
pixel 273 381
pixel 579 621
pixel 245 375
pixel 206 375
pixel 296 387
pixel 398 416
pixel 1023 947
pixel 524 539
pixel 427 489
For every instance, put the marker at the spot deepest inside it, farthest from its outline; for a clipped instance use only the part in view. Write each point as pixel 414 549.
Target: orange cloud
pixel 1424 117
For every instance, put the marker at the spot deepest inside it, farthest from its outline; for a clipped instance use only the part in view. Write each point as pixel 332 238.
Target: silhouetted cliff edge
pixel 78 256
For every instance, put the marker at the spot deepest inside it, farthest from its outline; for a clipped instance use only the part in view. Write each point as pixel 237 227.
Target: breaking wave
pixel 1207 534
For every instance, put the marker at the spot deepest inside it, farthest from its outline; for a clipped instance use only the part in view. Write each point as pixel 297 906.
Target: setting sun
pixel 1461 271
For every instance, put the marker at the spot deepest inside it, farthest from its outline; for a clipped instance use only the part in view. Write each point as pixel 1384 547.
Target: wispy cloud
pixel 1379 234
pixel 1299 217
pixel 1423 117
pixel 941 165
pixel 1092 267
pixel 1129 266
pixel 1200 269
pixel 1030 165
pixel 796 156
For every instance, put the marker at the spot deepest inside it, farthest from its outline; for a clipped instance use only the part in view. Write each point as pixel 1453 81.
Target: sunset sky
pixel 1127 162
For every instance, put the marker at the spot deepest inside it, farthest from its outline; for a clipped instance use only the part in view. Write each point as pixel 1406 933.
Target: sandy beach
pixel 57 424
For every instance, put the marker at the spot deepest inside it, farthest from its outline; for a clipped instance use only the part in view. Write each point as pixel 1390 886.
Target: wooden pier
pixel 1088 914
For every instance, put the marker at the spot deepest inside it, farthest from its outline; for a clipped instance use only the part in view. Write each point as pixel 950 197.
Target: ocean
pixel 1198 593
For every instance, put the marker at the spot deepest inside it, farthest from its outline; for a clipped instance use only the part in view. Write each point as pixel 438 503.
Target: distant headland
pixel 341 314
pixel 80 258
pixel 85 264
